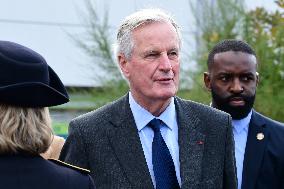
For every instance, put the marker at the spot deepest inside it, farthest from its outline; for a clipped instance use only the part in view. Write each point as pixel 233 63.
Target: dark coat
pixel 106 141
pixel 264 159
pixel 34 172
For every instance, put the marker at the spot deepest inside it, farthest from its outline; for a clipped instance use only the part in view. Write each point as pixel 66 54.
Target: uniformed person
pixel 27 87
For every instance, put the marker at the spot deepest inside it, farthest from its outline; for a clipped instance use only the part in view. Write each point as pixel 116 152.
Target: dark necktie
pixel 163 165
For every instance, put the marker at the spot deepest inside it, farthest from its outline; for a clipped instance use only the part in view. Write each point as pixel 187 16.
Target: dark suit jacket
pixel 106 141
pixel 33 172
pixel 264 159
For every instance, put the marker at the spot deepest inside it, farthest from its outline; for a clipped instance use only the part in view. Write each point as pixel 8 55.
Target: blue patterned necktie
pixel 163 165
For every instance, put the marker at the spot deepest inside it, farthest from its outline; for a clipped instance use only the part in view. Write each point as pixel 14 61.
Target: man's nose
pixel 236 86
pixel 165 63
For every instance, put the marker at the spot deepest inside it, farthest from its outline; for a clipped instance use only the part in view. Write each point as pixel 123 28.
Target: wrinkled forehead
pixel 156 34
pixel 162 25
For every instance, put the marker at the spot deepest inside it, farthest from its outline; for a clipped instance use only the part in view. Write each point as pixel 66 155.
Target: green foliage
pixel 215 20
pixel 97 44
pixel 110 92
pixel 264 31
pixel 60 128
pixel 197 95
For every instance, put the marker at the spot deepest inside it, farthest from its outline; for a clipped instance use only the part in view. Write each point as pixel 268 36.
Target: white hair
pixel 125 43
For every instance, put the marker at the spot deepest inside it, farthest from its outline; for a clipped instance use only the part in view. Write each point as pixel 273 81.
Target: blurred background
pixel 76 38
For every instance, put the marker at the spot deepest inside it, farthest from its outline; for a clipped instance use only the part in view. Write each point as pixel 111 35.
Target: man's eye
pixel 152 55
pixel 247 78
pixel 224 78
pixel 173 54
pixel 244 78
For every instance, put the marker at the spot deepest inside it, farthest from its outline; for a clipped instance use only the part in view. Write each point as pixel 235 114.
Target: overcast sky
pixel 44 26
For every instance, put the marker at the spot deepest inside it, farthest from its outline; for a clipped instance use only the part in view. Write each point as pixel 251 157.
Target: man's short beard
pixel 237 112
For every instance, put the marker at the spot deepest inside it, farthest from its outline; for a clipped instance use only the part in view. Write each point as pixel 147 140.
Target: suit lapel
pixel 125 141
pixel 254 151
pixel 191 145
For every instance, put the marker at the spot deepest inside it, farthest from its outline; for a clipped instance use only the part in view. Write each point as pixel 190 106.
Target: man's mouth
pixel 236 101
pixel 165 80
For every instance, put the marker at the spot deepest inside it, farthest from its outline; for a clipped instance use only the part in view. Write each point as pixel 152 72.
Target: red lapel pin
pixel 200 142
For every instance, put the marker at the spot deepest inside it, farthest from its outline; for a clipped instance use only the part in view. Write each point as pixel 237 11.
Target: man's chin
pixel 238 112
pixel 166 93
pixel 239 116
pixel 237 106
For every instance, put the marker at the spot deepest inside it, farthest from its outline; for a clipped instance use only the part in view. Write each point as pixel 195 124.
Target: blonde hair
pixel 24 129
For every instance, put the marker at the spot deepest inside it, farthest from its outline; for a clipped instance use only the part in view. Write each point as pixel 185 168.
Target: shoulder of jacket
pixel 102 113
pixel 259 118
pixel 62 163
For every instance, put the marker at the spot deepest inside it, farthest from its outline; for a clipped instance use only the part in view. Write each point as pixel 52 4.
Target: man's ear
pixel 257 78
pixel 123 64
pixel 206 79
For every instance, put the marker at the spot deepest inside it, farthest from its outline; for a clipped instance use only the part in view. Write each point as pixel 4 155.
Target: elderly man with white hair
pixel 150 138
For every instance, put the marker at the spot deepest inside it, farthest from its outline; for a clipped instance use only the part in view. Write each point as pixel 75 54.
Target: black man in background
pixel 232 78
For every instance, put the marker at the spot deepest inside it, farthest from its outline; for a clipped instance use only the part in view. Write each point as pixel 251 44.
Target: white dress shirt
pixel 169 131
pixel 240 130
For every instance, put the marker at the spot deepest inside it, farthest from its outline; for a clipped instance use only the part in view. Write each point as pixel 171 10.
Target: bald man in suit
pixel 232 79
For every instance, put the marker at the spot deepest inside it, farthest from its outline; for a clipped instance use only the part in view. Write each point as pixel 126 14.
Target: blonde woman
pixel 27 87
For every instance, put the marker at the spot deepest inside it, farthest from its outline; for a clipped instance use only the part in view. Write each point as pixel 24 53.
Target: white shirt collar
pixel 142 117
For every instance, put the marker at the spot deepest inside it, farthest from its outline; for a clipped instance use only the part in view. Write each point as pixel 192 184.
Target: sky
pixel 46 27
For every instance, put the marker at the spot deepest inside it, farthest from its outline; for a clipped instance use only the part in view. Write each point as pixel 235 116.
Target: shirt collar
pixel 142 117
pixel 239 125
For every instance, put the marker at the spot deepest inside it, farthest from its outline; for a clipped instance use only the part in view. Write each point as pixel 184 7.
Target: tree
pixel 265 32
pixel 97 44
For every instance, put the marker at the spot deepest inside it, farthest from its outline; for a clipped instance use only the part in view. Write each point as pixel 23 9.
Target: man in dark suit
pixel 150 138
pixel 232 79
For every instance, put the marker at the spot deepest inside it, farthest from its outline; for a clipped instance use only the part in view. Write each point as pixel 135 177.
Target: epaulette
pixel 82 170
